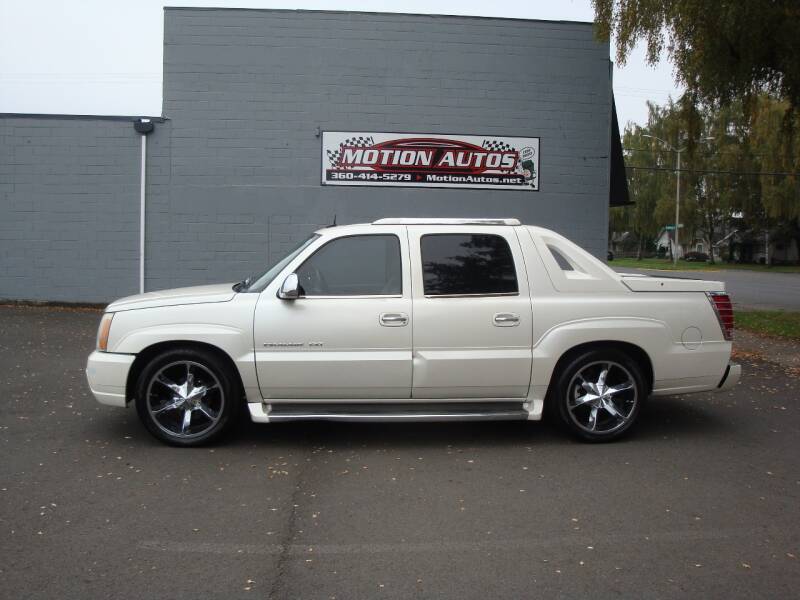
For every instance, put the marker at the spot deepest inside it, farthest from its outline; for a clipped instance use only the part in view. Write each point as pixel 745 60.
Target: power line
pixel 714 171
pixel 652 151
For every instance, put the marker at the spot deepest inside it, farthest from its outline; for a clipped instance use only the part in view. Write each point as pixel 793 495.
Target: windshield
pixel 259 282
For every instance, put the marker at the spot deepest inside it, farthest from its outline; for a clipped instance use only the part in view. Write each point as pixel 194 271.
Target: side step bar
pixel 386 412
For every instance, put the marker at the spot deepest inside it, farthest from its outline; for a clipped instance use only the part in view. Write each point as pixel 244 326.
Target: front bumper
pixel 732 375
pixel 107 374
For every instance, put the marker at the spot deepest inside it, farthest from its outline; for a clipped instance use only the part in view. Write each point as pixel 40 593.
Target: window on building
pixel 361 265
pixel 467 264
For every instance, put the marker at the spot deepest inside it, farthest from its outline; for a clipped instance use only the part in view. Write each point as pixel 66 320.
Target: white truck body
pixel 418 349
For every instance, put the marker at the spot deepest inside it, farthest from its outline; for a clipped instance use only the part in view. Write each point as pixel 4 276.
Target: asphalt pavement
pixel 703 501
pixel 756 289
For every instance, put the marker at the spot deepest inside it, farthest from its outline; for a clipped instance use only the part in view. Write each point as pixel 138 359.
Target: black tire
pixel 162 407
pixel 568 399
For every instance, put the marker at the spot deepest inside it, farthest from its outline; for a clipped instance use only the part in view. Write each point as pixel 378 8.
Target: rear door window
pixel 463 264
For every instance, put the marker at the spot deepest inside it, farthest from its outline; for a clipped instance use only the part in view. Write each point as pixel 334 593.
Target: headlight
pixel 103 331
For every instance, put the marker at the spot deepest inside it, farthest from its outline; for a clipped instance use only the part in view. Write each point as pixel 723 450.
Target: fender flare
pixel 647 335
pixel 221 338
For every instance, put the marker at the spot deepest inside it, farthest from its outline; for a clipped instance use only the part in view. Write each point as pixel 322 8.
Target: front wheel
pixel 599 395
pixel 186 397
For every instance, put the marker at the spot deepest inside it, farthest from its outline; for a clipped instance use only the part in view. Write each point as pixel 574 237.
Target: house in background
pixel 741 246
pixel 761 247
pixel 665 244
pixel 622 243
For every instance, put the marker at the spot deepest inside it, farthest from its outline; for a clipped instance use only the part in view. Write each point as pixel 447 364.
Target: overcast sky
pixel 104 57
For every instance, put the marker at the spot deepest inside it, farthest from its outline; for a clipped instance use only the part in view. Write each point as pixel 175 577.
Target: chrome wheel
pixel 185 399
pixel 602 397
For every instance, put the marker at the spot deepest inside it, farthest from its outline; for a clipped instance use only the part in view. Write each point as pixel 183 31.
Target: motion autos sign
pixel 430 160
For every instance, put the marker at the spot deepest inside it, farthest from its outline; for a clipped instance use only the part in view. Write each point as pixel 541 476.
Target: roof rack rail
pixel 434 221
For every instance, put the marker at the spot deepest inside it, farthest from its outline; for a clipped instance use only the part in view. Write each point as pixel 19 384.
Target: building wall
pixel 233 174
pixel 248 90
pixel 69 209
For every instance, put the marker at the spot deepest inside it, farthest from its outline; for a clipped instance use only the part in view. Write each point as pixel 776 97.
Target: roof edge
pixel 443 221
pixel 370 12
pixel 72 117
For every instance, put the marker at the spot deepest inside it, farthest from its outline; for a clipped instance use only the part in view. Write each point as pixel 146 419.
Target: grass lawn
pixel 785 324
pixel 666 265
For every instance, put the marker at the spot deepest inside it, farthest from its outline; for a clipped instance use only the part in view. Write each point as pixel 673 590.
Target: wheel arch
pixel 150 352
pixel 637 353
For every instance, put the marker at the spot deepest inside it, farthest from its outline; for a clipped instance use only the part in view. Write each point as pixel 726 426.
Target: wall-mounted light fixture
pixel 143 126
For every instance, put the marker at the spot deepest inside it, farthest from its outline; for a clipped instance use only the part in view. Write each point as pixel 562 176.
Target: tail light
pixel 724 311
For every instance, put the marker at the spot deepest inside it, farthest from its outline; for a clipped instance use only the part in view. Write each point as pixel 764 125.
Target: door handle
pixel 506 319
pixel 394 319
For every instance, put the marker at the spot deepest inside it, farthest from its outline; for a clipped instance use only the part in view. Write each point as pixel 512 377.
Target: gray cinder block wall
pixel 69 208
pixel 234 172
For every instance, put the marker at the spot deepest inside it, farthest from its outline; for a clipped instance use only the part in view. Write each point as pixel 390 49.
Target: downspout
pixel 144 127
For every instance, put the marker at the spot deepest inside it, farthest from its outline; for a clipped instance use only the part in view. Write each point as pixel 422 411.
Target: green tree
pixel 778 152
pixel 723 186
pixel 645 187
pixel 667 123
pixel 722 50
pixel 707 202
pixel 738 174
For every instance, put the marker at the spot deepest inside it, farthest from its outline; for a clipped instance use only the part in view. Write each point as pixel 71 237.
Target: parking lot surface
pixel 702 501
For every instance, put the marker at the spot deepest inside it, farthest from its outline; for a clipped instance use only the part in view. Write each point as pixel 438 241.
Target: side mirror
pixel 290 289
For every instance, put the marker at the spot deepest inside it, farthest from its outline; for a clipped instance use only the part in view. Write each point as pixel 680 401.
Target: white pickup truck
pixel 416 319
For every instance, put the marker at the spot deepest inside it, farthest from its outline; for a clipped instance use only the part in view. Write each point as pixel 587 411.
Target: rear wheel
pixel 599 395
pixel 187 397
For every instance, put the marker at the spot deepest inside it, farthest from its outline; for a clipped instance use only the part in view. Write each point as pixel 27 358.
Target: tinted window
pixel 354 266
pixel 467 264
pixel 263 280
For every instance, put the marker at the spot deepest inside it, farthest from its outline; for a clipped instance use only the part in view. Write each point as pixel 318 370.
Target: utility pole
pixel 677 207
pixel 677 151
pixel 766 247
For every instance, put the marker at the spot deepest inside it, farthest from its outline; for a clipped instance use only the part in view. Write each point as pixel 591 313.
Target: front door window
pixel 362 265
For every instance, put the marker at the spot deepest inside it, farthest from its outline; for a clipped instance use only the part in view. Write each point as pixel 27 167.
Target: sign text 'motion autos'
pixel 430 160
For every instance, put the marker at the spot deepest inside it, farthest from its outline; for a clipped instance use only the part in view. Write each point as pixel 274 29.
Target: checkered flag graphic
pixel 358 141
pixel 497 146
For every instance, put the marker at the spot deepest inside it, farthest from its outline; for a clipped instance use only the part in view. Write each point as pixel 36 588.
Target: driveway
pixel 702 502
pixel 754 289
